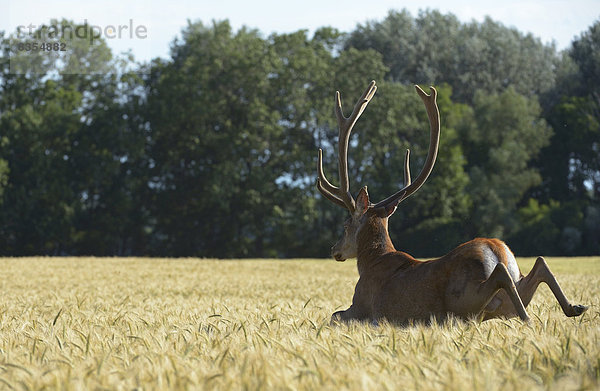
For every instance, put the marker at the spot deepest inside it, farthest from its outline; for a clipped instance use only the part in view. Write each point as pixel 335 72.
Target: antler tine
pixel 407 168
pixel 323 184
pixel 433 114
pixel 342 193
pixel 330 196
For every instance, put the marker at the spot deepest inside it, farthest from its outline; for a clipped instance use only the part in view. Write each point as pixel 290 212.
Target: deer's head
pixel 368 221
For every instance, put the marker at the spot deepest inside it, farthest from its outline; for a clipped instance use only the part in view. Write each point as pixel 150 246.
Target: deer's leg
pixel 541 273
pixel 500 279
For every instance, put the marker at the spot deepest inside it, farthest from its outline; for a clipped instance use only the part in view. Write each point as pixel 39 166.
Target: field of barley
pixel 141 323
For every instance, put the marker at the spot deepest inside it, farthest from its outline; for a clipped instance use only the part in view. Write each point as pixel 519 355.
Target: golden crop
pixel 127 323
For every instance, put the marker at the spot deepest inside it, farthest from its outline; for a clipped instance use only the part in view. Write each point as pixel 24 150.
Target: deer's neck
pixel 373 241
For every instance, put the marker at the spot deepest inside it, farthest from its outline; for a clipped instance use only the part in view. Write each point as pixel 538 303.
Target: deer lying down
pixel 479 278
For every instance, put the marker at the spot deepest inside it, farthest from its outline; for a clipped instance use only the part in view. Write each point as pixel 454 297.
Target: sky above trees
pixel 559 20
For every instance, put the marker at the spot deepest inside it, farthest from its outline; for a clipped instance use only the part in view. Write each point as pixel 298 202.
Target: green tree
pixel 66 140
pixel 434 48
pixel 302 94
pixel 213 151
pixel 235 122
pixel 503 135
pixel 217 147
pixel 570 165
pixel 574 170
pixel 38 203
pixel 108 169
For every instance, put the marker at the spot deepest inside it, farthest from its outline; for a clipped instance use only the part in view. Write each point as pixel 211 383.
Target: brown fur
pixel 395 286
pixel 478 278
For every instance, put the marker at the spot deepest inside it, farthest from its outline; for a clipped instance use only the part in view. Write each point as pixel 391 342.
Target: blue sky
pixel 556 21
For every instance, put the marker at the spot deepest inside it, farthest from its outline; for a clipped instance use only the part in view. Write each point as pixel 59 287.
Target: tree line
pixel 212 152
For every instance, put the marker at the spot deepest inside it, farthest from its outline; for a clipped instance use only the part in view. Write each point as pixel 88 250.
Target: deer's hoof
pixel 577 310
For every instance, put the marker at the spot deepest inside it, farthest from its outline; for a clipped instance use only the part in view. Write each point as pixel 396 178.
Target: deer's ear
pixel 386 210
pixel 362 201
pixel 391 208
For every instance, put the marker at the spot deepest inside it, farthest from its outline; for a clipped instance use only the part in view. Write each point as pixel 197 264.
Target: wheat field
pixel 142 323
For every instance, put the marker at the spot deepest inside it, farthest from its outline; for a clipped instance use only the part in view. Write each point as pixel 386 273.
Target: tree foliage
pixel 434 48
pixel 570 164
pixel 212 152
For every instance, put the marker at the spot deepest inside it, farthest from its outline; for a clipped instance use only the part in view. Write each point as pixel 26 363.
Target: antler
pixel 341 195
pixel 434 140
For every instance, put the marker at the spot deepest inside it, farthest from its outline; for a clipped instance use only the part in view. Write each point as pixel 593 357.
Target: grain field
pixel 179 324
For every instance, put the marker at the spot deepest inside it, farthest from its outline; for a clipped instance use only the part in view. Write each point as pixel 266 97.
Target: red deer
pixel 479 278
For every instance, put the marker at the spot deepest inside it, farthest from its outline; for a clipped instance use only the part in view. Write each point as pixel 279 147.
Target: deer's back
pixel 420 289
pixel 488 253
